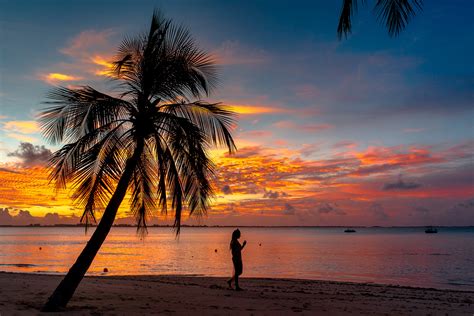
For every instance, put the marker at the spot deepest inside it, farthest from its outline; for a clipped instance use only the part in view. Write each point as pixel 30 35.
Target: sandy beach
pixel 23 294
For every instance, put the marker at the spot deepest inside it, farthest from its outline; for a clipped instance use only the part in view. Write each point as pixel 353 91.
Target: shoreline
pixel 80 225
pixel 24 293
pixel 337 281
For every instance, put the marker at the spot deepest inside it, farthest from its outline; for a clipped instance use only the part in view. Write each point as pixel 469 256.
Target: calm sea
pixel 404 256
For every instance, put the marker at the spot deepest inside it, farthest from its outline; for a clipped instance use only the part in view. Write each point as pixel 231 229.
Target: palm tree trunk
pixel 65 290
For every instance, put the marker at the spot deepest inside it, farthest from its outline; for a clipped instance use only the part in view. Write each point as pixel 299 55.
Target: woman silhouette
pixel 236 249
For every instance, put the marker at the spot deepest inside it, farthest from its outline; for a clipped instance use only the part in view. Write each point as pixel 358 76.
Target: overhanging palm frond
pixel 349 8
pixel 394 14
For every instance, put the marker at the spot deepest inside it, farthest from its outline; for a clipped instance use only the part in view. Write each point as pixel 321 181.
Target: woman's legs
pixel 238 267
pixel 238 272
pixel 237 287
pixel 230 281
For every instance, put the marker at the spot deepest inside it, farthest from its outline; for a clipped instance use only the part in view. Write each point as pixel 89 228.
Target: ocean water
pixel 403 256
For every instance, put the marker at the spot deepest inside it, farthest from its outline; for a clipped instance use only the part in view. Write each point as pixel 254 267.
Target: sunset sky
pixel 370 130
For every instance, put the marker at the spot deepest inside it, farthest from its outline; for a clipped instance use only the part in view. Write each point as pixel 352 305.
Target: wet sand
pixel 24 294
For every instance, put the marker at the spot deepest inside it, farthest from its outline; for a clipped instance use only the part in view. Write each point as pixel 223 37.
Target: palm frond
pixel 96 176
pixel 153 133
pixel 396 14
pixel 213 119
pixel 76 112
pixel 349 7
pixel 143 190
pixel 65 161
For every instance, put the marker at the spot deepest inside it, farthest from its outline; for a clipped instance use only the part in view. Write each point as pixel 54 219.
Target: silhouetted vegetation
pixel 150 140
pixel 394 14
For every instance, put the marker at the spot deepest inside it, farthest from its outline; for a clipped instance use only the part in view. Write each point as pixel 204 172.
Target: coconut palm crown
pixel 395 14
pixel 150 139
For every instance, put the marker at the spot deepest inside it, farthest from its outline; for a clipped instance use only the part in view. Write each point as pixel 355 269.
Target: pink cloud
pixel 89 52
pixel 88 42
pixel 347 144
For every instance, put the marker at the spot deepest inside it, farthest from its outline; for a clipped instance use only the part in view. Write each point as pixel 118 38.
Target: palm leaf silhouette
pixel 395 14
pixel 151 140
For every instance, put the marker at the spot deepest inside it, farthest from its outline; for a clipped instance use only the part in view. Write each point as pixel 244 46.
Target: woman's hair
pixel 235 236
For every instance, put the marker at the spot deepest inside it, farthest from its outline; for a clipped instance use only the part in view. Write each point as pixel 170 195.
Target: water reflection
pixel 397 256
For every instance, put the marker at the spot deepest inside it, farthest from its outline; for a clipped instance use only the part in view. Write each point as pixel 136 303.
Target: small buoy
pixel 40 248
pixel 106 270
pixel 215 250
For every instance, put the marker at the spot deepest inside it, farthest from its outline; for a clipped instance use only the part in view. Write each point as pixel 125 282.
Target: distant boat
pixel 431 230
pixel 349 230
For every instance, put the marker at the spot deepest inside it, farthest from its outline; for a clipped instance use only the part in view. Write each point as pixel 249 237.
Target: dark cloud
pixel 400 185
pixel 273 194
pixel 226 189
pixel 24 217
pixel 5 217
pixel 32 155
pixel 463 208
pixel 9 170
pixel 288 209
pixel 326 208
pixel 466 204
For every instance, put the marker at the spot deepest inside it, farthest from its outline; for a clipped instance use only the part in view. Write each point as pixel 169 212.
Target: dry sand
pixel 23 294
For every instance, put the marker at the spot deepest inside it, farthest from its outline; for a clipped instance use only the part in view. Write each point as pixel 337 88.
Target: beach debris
pixel 260 244
pixel 106 270
pixel 215 250
pixel 40 248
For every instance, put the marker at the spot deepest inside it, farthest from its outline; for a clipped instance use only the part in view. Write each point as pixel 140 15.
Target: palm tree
pixel 150 140
pixel 395 14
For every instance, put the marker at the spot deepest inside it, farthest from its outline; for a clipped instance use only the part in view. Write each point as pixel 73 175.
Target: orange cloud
pixel 261 183
pixel 24 127
pixel 88 52
pixel 61 77
pixel 55 77
pixel 107 66
pixel 253 109
pixel 396 156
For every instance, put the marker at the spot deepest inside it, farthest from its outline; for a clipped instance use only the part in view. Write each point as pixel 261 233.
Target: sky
pixel 367 130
